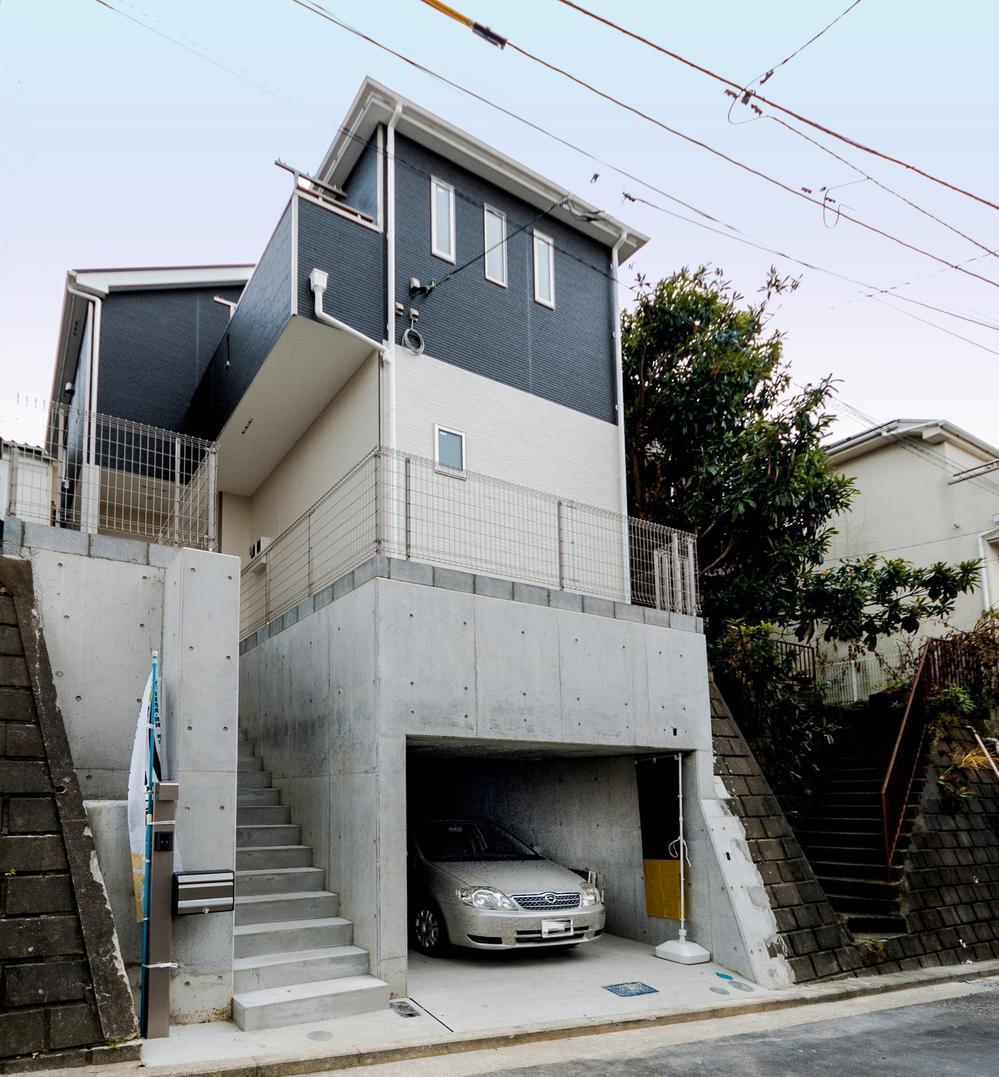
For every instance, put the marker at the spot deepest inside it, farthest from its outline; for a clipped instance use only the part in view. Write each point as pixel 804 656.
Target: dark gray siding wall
pixel 361 187
pixel 565 355
pixel 354 258
pixel 263 312
pixel 155 345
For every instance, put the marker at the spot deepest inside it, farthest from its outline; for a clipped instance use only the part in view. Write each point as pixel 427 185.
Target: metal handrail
pixel 901 771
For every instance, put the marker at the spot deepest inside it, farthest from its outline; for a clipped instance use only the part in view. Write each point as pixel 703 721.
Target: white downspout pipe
pixel 388 356
pixel 89 516
pixel 619 377
pixel 319 282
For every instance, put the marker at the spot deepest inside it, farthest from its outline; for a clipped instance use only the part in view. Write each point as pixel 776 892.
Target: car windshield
pixel 454 841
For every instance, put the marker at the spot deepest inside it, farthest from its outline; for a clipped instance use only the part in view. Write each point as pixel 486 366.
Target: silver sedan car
pixel 473 884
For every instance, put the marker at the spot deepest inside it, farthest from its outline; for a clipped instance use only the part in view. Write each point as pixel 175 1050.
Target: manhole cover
pixel 635 987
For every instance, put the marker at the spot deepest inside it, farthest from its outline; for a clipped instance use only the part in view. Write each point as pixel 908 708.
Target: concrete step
pixel 253 779
pixel 262 814
pixel 249 762
pixel 281 936
pixel 272 1007
pixel 298 967
pixel 251 797
pixel 252 857
pixel 272 880
pixel 294 905
pixel 278 834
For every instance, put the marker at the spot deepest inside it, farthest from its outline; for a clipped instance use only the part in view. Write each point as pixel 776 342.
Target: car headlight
pixel 591 895
pixel 484 897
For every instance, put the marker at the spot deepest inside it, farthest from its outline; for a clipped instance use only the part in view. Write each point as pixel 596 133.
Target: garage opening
pixel 509 830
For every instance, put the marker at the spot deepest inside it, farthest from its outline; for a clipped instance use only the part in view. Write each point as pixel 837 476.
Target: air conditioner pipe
pixel 319 282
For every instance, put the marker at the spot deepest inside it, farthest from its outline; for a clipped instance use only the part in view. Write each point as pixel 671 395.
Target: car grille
pixel 547 902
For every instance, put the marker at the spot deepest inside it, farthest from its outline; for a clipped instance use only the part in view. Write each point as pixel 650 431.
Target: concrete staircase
pixel 294 955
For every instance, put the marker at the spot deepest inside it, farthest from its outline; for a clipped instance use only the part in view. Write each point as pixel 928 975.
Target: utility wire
pixel 801 48
pixel 773 104
pixel 732 233
pixel 766 177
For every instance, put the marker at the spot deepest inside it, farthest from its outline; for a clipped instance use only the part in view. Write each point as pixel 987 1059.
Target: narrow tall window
pixel 494 237
pixel 544 269
pixel 450 453
pixel 442 219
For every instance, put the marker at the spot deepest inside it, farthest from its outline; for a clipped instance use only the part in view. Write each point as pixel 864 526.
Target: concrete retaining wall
pixel 105 605
pixel 335 695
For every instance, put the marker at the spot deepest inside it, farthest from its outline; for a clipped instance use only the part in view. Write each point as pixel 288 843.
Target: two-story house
pixel 411 422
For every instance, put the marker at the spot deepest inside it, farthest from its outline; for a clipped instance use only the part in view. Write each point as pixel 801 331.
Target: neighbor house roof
pixel 931 431
pixel 375 104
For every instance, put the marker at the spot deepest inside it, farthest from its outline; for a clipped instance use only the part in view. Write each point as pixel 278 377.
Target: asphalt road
pixel 958 1037
pixel 933 1031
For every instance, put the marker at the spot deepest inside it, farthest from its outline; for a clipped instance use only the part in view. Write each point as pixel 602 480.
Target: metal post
pixel 408 507
pixel 379 507
pixel 308 554
pixel 176 492
pixel 561 546
pixel 12 481
pixel 159 948
pixel 213 513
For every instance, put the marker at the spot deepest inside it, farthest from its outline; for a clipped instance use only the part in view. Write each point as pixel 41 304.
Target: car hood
pixel 512 876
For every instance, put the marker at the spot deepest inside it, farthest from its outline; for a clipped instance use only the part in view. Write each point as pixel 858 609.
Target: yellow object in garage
pixel 662 889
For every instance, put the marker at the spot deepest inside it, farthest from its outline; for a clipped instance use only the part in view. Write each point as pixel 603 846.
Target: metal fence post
pixel 11 499
pixel 176 492
pixel 561 545
pixel 213 464
pixel 408 506
pixel 308 554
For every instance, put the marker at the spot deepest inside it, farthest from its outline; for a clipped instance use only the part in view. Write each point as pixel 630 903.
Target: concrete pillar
pixel 200 707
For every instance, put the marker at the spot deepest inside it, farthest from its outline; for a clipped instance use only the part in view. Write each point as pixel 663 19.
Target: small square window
pixel 442 219
pixel 494 237
pixel 544 269
pixel 450 449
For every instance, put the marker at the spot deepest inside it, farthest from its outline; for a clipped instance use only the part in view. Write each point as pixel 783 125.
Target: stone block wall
pixel 63 993
pixel 949 889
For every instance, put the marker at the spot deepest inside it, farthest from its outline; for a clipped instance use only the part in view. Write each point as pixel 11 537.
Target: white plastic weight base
pixel 682 952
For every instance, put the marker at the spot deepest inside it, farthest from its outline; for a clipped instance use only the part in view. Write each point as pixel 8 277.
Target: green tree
pixel 720 442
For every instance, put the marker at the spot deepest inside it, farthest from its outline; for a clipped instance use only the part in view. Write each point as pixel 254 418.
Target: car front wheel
pixel 429 932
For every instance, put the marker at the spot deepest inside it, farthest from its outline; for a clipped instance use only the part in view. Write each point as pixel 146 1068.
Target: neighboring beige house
pixel 926 491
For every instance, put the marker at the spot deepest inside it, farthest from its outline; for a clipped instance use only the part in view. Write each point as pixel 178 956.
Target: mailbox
pixel 198 892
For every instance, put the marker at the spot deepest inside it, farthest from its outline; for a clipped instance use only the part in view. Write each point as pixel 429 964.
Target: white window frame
pixel 501 246
pixel 443 468
pixel 436 183
pixel 550 243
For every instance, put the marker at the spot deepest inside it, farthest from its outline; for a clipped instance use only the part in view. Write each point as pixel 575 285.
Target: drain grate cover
pixel 404 1008
pixel 635 987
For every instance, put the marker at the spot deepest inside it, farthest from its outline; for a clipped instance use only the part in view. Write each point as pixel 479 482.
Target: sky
pixel 119 147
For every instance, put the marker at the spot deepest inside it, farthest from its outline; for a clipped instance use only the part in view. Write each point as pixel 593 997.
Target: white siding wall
pixel 905 507
pixel 509 434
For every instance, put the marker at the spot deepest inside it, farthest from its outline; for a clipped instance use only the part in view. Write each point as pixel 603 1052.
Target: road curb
pixel 792 998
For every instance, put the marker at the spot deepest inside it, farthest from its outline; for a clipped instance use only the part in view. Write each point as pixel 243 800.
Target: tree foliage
pixel 722 443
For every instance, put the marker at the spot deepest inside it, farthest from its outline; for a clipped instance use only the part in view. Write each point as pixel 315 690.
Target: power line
pixel 801 48
pixel 733 231
pixel 773 104
pixel 766 177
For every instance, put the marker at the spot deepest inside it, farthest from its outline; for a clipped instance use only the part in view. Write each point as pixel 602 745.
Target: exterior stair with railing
pixel 294 958
pixel 842 834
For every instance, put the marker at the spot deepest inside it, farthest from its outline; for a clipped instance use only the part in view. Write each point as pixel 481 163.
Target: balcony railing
pixel 109 476
pixel 408 507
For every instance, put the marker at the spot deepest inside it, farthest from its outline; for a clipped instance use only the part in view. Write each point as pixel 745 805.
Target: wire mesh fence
pixel 97 473
pixel 852 681
pixel 409 507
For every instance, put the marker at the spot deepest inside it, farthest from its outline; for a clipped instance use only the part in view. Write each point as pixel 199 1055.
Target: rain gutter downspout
pixel 619 375
pixel 90 523
pixel 388 353
pixel 983 554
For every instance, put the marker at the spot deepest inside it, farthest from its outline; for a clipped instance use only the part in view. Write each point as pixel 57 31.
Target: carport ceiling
pixel 465 748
